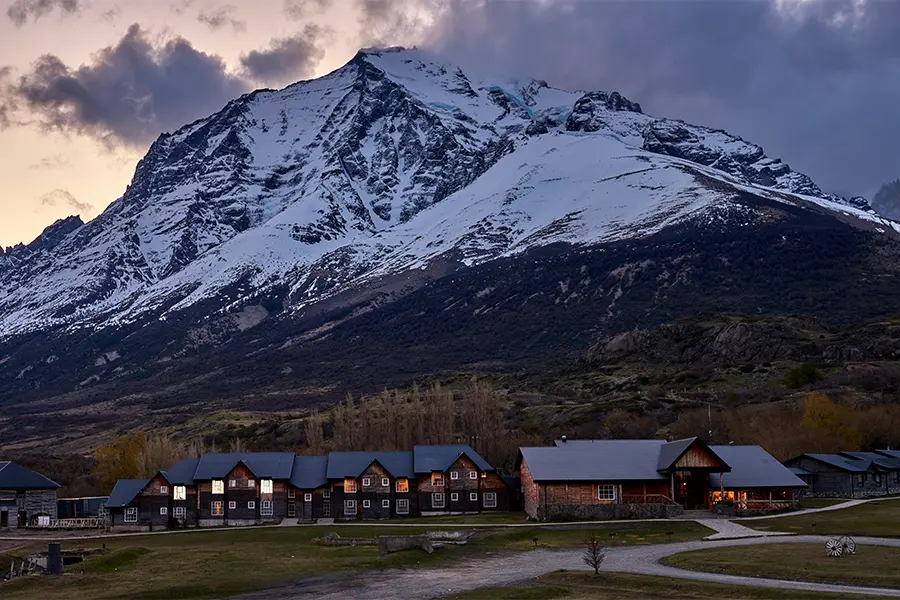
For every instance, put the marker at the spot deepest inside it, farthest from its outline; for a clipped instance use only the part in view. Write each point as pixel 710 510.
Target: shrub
pixel 802 375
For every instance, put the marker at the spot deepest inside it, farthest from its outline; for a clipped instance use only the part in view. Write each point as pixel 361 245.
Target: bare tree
pixel 593 553
pixel 315 439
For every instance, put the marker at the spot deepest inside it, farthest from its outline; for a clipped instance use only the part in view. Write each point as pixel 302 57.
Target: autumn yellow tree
pixel 827 426
pixel 120 459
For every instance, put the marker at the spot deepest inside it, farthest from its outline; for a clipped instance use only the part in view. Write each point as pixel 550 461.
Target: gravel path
pixel 728 530
pixel 510 569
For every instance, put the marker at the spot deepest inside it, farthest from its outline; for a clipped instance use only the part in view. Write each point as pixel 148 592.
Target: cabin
pixel 848 474
pixel 371 485
pixel 456 480
pixel 612 479
pixel 122 506
pixel 27 498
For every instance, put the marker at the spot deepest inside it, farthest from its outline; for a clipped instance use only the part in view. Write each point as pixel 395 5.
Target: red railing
pixel 647 499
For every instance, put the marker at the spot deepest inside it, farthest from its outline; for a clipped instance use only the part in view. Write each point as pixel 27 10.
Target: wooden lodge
pixel 27 499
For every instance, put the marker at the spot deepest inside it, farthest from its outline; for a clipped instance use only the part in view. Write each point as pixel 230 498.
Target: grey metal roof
pixel 841 462
pixel 16 477
pixel 309 472
pixel 427 459
pixel 597 460
pixel 672 451
pixel 351 464
pixel 889 453
pixel 268 465
pixel 182 473
pixel 799 471
pixel 752 467
pixel 124 492
pixel 887 463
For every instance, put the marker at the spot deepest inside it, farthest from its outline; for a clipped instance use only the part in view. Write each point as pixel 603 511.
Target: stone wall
pixel 604 512
pixel 40 502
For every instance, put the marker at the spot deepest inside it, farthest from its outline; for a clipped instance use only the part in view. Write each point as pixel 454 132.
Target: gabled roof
pixel 841 462
pixel 889 453
pixel 267 465
pixel 427 459
pixel 182 473
pixel 752 467
pixel 597 460
pixel 799 471
pixel 124 492
pixel 16 477
pixel 309 472
pixel 351 464
pixel 885 463
pixel 672 451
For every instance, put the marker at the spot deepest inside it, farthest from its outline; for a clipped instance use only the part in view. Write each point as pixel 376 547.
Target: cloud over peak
pixel 286 59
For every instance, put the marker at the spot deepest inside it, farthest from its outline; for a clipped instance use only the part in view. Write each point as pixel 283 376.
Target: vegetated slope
pixel 399 218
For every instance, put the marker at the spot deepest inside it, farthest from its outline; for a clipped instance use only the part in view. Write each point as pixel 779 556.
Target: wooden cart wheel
pixel 834 547
pixel 848 545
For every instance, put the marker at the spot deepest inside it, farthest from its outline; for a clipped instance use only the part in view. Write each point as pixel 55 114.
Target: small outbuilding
pixel 27 498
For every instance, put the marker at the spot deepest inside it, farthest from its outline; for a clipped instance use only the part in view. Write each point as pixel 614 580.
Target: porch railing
pixel 80 523
pixel 647 499
pixel 750 504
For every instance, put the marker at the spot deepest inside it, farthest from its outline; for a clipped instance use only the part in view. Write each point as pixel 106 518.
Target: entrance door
pixel 4 519
pixel 23 519
pixel 691 488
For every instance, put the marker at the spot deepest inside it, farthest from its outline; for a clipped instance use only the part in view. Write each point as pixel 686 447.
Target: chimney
pixel 563 438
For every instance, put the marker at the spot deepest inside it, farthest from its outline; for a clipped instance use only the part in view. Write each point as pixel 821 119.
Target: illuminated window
pixel 349 486
pixel 218 486
pixel 437 479
pixel 180 492
pixel 217 508
pixel 402 486
pixel 266 486
pixel 437 501
pixel 251 483
pixel 232 483
pixel 490 499
pixel 604 492
pixel 163 489
pixel 131 514
pixel 402 507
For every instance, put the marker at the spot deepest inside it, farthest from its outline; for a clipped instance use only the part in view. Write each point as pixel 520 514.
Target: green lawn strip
pixel 622 586
pixel 879 519
pixel 871 565
pixel 820 502
pixel 211 564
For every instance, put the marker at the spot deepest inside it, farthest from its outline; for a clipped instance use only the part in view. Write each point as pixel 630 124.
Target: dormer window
pixel 437 479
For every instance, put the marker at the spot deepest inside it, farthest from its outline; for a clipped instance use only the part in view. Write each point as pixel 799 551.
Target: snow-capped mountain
pixel 391 163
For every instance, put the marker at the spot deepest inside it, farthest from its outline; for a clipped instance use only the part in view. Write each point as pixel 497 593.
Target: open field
pixel 620 586
pixel 881 519
pixel 874 566
pixel 820 502
pixel 212 564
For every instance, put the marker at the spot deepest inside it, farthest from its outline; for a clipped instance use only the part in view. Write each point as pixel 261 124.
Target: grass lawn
pixel 820 502
pixel 621 586
pixel 498 518
pixel 880 519
pixel 871 565
pixel 211 564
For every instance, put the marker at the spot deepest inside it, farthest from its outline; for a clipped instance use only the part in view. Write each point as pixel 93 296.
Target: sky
pixel 87 85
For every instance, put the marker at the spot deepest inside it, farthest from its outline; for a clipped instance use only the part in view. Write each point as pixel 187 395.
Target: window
pixel 217 508
pixel 367 481
pixel 473 474
pixel 232 505
pixel 326 493
pixel 131 514
pixel 218 486
pixel 483 475
pixel 860 480
pixel 349 507
pixel 251 504
pixel 307 497
pixel 454 497
pixel 454 475
pixel 180 492
pixel 473 497
pixel 403 506
pixel 490 499
pixel 292 509
pixel 251 483
pixel 326 509
pixel 605 492
pixel 402 485
pixel 437 479
pixel 291 492
pixel 437 501
pixel 385 504
pixel 232 483
pixel 349 486
pixel 265 486
pixel 266 509
pixel 877 478
pixel 367 504
pixel 385 482
pixel 164 510
pixel 179 512
pixel 164 489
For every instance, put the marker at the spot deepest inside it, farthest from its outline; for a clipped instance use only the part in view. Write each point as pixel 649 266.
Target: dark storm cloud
pixel 815 82
pixel 396 22
pixel 64 197
pixel 219 17
pixel 22 10
pixel 128 95
pixel 286 59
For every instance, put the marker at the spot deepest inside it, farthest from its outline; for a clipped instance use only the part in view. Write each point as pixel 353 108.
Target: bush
pixel 803 375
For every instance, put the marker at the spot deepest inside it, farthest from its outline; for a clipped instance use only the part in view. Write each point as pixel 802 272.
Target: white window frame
pixel 454 497
pixel 267 509
pixel 367 482
pixel 326 493
pixel 367 504
pixel 292 509
pixel 266 486
pixel 232 505
pixel 385 504
pixel 180 512
pixel 164 489
pixel 164 511
pixel 385 482
pixel 326 509
pixel 350 507
pixel 218 486
pixel 607 492
pixel 292 492
pixel 307 497
pixel 350 486
pixel 437 480
pixel 212 508
pixel 402 506
pixel 251 483
pixel 131 514
pixel 405 483
pixel 473 497
pixel 251 504
pixel 179 492
pixel 473 474
pixel 438 500
pixel 489 499
pixel 232 483
pixel 454 475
